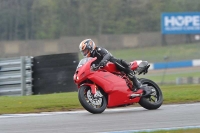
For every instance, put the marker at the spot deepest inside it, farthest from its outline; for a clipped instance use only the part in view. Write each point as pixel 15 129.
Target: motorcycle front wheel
pixel 94 104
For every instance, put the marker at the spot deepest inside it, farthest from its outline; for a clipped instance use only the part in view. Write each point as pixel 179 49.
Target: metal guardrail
pixel 187 80
pixel 16 76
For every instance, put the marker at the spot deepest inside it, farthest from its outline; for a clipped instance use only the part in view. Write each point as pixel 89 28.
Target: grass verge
pixel 69 101
pixel 157 53
pixel 171 77
pixel 39 103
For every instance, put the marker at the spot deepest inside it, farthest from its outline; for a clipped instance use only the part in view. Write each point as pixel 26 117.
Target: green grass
pixel 157 53
pixel 176 131
pixel 170 77
pixel 181 93
pixel 39 103
pixel 69 101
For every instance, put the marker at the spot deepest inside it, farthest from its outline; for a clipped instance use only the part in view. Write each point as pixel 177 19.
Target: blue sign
pixel 180 23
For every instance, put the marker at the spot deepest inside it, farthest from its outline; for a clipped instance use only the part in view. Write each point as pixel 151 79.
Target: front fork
pixel 93 89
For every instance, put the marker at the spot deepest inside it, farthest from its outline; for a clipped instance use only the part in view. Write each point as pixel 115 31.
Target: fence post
pixel 179 81
pixel 23 82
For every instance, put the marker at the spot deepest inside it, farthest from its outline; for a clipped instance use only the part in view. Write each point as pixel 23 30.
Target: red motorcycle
pixel 100 88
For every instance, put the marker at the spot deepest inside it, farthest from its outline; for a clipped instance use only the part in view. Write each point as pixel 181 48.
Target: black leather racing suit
pixel 103 56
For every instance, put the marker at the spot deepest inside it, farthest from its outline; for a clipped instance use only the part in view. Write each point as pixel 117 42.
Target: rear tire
pixel 91 104
pixel 153 101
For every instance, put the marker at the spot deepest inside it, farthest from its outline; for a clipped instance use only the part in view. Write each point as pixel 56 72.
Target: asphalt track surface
pixel 112 120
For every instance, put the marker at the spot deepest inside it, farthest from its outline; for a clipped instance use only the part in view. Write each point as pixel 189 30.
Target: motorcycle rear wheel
pixel 89 102
pixel 153 101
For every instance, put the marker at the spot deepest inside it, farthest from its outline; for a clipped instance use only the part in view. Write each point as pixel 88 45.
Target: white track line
pixel 84 111
pixel 153 130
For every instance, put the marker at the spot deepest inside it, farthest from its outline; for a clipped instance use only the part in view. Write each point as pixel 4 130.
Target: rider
pixel 89 49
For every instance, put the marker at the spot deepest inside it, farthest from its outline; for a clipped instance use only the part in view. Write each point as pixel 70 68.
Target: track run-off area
pixel 121 120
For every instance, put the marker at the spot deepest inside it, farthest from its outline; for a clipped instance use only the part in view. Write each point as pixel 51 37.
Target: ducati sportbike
pixel 106 87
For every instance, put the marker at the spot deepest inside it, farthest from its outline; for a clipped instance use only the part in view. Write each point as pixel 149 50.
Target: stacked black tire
pixel 54 73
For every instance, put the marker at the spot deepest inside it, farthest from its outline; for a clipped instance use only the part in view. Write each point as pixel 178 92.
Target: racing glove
pixel 103 63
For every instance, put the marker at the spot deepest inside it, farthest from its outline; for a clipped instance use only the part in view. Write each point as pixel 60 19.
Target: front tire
pixel 154 100
pixel 89 102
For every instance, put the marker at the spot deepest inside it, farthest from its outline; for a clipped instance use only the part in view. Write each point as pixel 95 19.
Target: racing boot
pixel 138 85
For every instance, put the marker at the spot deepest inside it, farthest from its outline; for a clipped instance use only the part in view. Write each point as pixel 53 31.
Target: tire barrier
pixel 54 73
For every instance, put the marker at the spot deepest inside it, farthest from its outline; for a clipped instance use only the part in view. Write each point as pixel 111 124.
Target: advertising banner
pixel 180 23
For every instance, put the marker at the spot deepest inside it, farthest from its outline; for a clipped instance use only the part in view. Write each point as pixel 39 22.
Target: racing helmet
pixel 86 47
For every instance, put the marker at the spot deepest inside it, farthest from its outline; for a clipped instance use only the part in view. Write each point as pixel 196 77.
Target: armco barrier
pixel 54 73
pixel 187 80
pixel 16 76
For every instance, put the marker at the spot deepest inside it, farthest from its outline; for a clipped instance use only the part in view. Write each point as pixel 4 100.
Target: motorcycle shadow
pixel 125 110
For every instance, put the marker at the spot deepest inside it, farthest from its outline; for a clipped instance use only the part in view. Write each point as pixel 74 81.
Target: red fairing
pixel 134 65
pixel 110 67
pixel 115 86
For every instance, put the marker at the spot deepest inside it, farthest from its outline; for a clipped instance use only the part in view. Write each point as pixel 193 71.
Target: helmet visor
pixel 85 52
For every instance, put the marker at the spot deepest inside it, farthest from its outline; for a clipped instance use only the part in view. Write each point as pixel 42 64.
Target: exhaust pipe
pixel 135 95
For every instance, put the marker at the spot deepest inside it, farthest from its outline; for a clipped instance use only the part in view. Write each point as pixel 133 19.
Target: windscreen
pixel 83 61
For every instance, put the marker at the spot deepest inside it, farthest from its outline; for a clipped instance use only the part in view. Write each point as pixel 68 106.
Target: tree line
pixel 51 19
